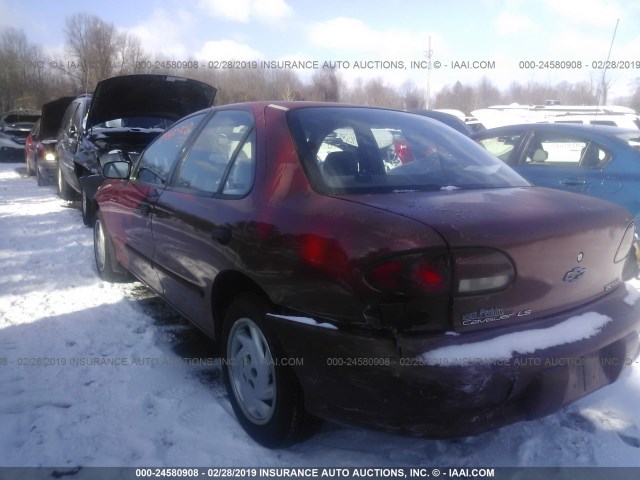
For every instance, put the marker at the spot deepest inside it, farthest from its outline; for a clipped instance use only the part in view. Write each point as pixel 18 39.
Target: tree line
pixel 96 50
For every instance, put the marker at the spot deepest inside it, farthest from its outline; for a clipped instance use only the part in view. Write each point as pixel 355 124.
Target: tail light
pixel 469 271
pixel 424 273
pixel 625 244
pixel 480 270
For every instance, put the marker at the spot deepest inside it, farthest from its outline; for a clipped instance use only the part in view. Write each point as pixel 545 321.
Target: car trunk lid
pixel 52 114
pixel 562 246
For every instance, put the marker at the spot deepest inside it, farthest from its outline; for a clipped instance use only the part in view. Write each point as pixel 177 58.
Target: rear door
pixel 556 160
pixel 551 159
pixel 198 219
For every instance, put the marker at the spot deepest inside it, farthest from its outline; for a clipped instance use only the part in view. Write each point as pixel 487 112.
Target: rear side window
pixel 157 161
pixel 362 150
pixel 552 150
pixel 222 159
pixel 604 122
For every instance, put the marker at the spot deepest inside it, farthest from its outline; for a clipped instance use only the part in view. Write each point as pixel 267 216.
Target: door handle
pixel 144 209
pixel 221 234
pixel 572 182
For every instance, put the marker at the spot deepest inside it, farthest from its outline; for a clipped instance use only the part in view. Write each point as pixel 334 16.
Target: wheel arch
pixel 226 286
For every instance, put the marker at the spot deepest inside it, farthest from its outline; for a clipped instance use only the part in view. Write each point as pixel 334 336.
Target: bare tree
pixel 326 86
pixel 16 56
pixel 634 100
pixel 99 51
pixel 130 54
pixel 412 96
pixel 459 97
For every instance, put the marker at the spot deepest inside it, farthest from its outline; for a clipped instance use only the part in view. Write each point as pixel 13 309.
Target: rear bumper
pixel 12 154
pixel 383 381
pixel 48 167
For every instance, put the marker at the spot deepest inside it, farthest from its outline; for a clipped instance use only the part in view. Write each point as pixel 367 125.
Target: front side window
pixel 157 161
pixel 222 158
pixel 77 118
pixel 364 150
pixel 68 116
pixel 502 146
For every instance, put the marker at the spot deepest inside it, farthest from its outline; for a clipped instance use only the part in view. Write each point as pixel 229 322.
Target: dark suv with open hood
pixel 124 113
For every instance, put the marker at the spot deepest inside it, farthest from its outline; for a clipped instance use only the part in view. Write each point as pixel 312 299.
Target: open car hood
pixel 145 95
pixel 52 114
pixel 20 116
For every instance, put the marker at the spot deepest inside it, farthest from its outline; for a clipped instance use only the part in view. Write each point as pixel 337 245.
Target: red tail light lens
pixel 468 271
pixel 425 273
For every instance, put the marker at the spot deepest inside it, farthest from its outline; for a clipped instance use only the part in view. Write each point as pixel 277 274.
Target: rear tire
pixel 30 171
pixel 108 267
pixel 265 394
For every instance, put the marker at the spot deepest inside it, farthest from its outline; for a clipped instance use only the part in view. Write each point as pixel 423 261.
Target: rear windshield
pixel 21 118
pixel 137 122
pixel 361 150
pixel 631 138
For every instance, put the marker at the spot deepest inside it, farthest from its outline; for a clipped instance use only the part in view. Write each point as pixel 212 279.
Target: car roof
pixel 260 105
pixel 446 118
pixel 559 127
pixel 295 105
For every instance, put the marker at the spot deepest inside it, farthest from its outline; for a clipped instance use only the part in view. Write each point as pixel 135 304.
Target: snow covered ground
pixel 149 407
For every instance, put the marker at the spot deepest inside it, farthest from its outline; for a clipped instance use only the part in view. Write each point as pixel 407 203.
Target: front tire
pixel 264 392
pixel 64 189
pixel 88 209
pixel 108 267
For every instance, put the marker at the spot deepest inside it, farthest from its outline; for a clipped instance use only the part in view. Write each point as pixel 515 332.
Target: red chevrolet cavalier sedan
pixel 437 294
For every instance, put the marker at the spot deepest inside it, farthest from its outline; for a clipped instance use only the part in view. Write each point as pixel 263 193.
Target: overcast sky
pixel 505 32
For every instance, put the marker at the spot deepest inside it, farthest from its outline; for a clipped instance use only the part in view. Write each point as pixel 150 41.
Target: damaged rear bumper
pixel 387 382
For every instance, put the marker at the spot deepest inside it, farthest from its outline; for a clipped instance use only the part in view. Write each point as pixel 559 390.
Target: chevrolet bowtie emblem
pixel 574 274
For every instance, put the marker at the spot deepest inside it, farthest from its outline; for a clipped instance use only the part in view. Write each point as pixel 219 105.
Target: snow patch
pixel 632 295
pixel 505 346
pixel 450 188
pixel 305 320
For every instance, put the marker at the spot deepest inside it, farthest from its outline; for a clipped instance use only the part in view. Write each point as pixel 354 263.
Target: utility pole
pixel 429 53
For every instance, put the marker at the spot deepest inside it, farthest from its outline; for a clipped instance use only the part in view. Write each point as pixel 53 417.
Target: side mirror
pixel 115 164
pixel 118 170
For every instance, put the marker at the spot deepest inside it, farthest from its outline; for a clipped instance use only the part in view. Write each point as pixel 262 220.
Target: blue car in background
pixel 596 160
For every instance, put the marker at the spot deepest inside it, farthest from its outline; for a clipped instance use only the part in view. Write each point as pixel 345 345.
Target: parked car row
pixel 356 264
